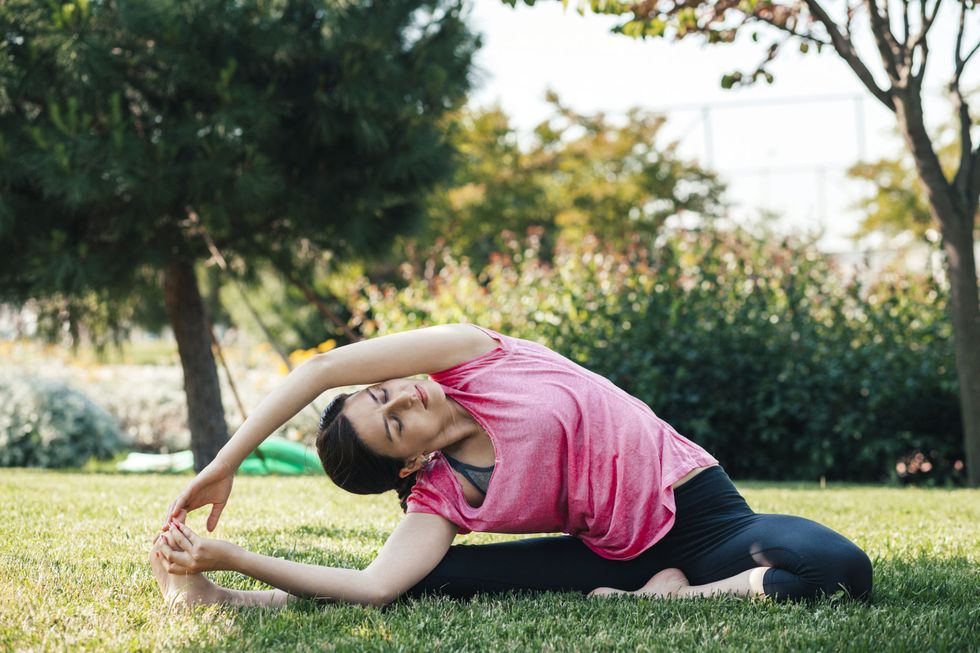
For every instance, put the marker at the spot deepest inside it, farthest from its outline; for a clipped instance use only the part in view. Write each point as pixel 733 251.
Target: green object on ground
pixel 274 456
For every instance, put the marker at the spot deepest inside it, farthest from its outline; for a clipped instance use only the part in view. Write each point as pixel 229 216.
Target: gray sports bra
pixel 478 476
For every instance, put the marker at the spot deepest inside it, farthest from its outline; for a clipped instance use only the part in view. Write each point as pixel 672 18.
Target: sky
pixel 782 147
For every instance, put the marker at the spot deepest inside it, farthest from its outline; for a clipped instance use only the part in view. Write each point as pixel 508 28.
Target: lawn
pixel 73 576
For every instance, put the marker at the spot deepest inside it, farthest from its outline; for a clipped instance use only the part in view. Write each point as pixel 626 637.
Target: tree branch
pixel 965 180
pixel 888 47
pixel 849 17
pixel 919 40
pixel 905 21
pixel 846 50
pixel 958 50
pixel 959 59
pixel 789 30
pixel 961 182
pixel 972 52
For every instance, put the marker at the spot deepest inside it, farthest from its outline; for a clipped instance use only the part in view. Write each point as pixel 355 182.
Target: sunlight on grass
pixel 73 575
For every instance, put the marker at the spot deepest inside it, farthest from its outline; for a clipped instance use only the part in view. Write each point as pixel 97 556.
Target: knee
pixel 851 571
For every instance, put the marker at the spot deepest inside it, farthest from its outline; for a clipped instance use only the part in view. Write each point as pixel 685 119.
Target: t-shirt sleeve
pixel 426 498
pixel 493 334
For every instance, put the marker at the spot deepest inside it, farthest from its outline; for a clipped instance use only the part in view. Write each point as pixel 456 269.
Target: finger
pixel 180 516
pixel 177 506
pixel 170 510
pixel 174 542
pixel 188 534
pixel 182 559
pixel 169 539
pixel 166 552
pixel 175 568
pixel 179 538
pixel 215 514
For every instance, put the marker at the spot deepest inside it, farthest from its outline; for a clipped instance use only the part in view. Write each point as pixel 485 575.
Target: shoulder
pixel 480 339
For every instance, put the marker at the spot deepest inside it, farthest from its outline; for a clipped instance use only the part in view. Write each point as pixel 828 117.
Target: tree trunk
pixel 205 413
pixel 957 230
pixel 965 313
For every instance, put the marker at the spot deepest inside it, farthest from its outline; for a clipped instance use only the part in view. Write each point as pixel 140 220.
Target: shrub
pixel 46 423
pixel 750 344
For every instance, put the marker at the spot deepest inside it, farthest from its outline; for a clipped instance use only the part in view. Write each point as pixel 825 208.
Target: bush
pixel 46 423
pixel 750 344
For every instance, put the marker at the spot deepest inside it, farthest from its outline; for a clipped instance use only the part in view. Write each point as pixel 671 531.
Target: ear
pixel 412 465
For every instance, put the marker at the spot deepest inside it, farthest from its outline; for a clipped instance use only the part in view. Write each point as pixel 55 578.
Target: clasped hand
pixel 185 552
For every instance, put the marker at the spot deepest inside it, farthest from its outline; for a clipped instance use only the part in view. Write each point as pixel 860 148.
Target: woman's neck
pixel 460 429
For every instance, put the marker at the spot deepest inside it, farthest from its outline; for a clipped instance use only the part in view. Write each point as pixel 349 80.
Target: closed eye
pixel 397 421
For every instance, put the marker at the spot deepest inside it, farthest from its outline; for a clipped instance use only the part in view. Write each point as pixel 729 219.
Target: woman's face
pixel 398 418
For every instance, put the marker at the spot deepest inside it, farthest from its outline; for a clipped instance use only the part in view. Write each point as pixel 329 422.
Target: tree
pixel 138 137
pixel 896 202
pixel 900 30
pixel 577 174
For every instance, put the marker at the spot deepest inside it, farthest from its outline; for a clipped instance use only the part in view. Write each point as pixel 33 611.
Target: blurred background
pixel 701 202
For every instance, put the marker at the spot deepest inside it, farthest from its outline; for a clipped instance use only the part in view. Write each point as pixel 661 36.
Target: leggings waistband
pixel 710 492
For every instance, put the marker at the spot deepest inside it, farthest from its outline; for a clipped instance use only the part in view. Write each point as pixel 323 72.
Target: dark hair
pixel 350 463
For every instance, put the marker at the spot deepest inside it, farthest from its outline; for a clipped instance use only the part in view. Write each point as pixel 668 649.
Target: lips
pixel 422 396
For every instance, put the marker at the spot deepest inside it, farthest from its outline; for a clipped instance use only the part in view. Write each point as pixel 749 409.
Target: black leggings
pixel 715 536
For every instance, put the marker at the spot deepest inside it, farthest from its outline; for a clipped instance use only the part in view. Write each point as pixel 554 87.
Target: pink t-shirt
pixel 574 453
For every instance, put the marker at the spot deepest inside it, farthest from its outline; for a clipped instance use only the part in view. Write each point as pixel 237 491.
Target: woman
pixel 506 436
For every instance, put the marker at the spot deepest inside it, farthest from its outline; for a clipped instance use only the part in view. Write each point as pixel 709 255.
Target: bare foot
pixel 606 591
pixel 665 583
pixel 191 589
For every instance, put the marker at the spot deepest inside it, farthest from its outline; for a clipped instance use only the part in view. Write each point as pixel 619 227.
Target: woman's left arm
pixel 413 550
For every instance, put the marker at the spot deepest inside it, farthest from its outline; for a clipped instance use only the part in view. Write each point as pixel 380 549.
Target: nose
pixel 403 399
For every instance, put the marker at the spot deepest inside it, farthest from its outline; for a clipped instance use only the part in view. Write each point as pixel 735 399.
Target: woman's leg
pixel 673 583
pixel 716 541
pixel 781 556
pixel 804 560
pixel 555 564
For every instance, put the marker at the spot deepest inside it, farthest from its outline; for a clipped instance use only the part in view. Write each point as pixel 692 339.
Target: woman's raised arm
pixel 398 355
pixel 421 351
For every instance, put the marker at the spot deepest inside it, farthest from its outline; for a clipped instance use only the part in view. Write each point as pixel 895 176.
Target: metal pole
pixel 859 127
pixel 709 149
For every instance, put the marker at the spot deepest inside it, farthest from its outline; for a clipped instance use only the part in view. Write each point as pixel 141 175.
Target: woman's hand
pixel 185 552
pixel 211 486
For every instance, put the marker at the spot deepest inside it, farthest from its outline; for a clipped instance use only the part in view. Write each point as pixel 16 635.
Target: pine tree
pixel 138 135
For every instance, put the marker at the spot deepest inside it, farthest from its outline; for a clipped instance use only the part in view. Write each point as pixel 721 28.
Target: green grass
pixel 73 576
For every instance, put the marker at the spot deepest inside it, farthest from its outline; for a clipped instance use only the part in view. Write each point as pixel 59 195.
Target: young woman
pixel 506 436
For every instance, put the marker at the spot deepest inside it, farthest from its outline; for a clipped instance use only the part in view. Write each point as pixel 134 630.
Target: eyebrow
pixel 387 430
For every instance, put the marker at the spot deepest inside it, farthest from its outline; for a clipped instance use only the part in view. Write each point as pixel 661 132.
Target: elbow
pixel 381 596
pixel 379 591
